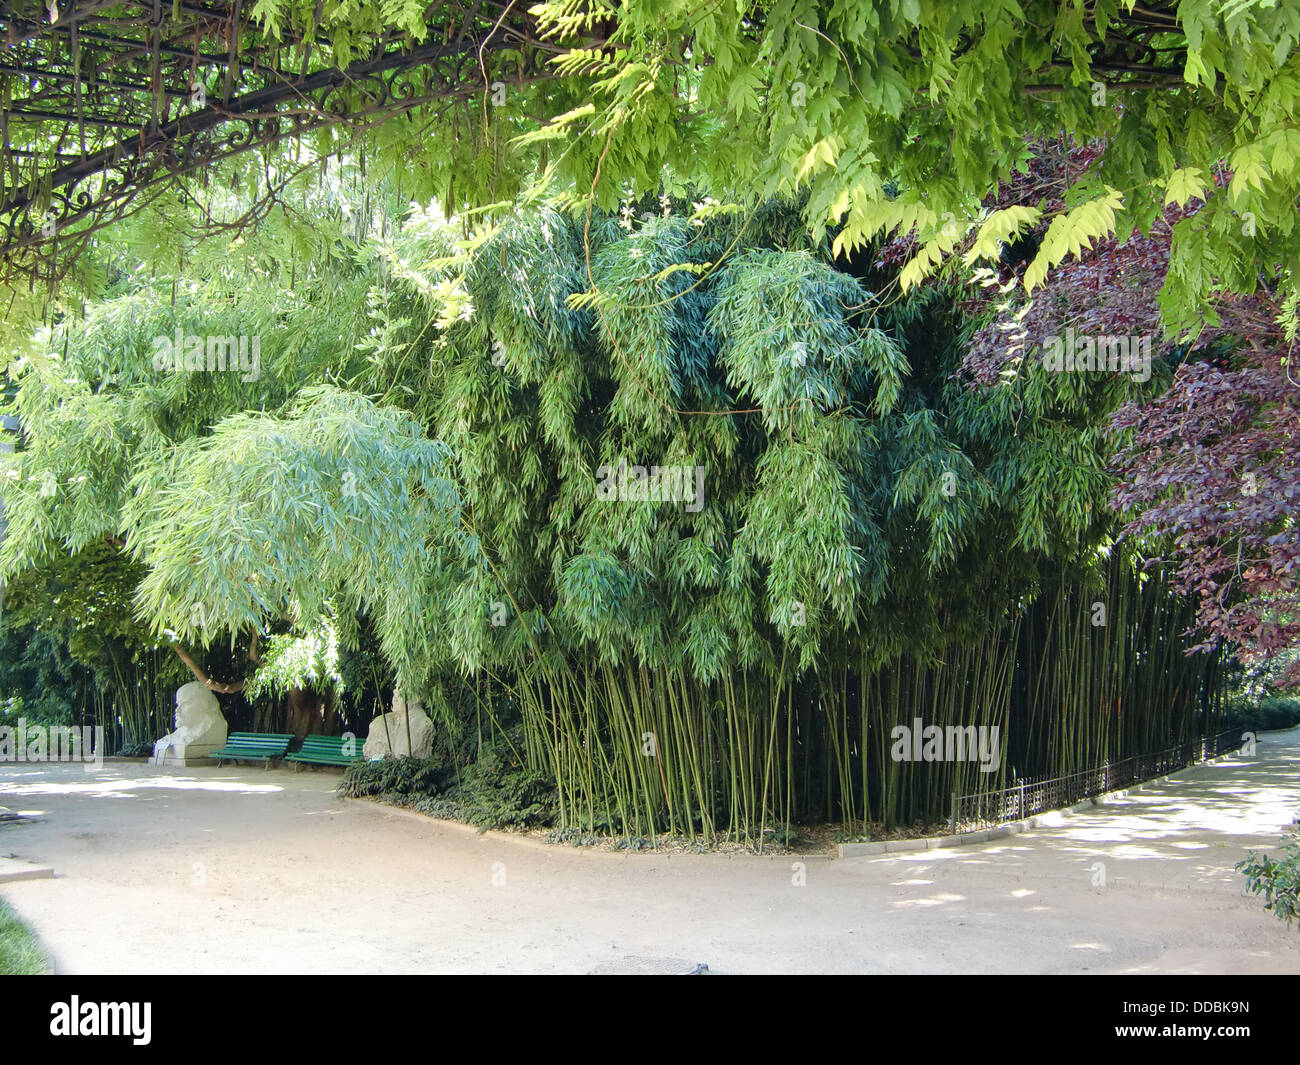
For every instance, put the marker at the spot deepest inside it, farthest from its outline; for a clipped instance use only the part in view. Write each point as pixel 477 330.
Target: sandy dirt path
pixel 247 870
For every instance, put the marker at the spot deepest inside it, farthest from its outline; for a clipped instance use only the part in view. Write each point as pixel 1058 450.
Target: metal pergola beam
pixel 102 74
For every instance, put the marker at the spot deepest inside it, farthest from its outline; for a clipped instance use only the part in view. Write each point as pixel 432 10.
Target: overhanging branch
pixel 202 677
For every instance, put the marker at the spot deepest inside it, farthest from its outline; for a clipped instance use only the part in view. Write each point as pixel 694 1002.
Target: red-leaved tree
pixel 1207 471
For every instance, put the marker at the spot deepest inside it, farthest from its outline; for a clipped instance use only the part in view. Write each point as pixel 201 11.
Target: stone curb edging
pixel 930 843
pixel 563 848
pixel 844 850
pixel 12 869
pixel 1012 828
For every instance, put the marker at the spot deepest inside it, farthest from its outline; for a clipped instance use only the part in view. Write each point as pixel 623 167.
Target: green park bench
pixel 326 750
pixel 254 747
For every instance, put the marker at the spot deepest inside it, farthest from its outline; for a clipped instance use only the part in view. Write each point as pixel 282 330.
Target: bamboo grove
pixel 878 540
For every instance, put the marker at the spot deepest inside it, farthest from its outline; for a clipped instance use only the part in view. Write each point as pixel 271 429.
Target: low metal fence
pixel 1032 795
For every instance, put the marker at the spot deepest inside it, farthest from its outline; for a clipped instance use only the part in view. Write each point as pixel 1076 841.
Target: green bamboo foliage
pixel 135 707
pixel 877 544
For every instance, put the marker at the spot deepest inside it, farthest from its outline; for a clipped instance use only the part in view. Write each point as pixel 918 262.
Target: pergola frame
pixel 110 100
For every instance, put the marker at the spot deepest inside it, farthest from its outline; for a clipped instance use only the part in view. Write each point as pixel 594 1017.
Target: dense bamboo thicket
pixel 854 538
pixel 879 543
pixel 1075 681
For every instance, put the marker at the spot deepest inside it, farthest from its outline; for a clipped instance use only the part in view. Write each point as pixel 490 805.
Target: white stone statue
pixel 200 728
pixel 388 732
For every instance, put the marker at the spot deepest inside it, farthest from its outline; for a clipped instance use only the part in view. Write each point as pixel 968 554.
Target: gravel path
pixel 248 870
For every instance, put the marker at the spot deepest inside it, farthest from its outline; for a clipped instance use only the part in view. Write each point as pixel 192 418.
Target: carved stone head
pixel 195 707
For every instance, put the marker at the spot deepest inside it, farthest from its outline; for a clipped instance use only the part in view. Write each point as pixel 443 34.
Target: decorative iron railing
pixel 1031 795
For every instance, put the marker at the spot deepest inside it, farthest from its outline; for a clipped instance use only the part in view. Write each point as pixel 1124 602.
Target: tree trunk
pixel 311 714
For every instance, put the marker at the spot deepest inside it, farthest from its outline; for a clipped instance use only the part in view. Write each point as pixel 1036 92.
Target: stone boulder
pixel 389 732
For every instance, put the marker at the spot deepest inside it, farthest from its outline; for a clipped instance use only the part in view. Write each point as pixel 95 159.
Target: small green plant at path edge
pixel 20 954
pixel 1277 879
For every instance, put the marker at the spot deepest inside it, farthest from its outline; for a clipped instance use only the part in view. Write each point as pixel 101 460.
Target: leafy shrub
pixel 782 835
pixel 493 792
pixel 497 791
pixel 1273 712
pixel 575 836
pixel 394 777
pixel 1278 880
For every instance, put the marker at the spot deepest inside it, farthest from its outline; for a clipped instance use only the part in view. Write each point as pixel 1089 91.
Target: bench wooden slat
pixel 322 754
pixel 257 750
pixel 324 761
pixel 254 745
pixel 258 747
pixel 326 750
